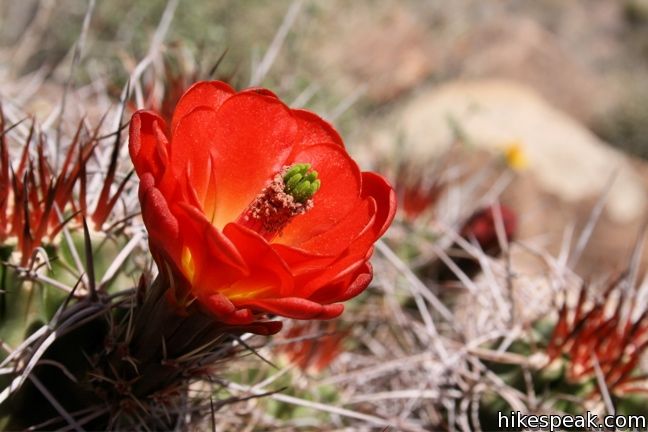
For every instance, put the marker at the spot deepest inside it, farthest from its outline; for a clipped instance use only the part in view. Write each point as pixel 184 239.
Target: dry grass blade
pixel 270 56
pixel 374 420
pixel 76 58
pixel 347 102
pixel 214 68
pixel 629 288
pixel 415 281
pixel 154 50
pixel 4 131
pixel 121 258
pixel 33 34
pixel 600 379
pixel 588 229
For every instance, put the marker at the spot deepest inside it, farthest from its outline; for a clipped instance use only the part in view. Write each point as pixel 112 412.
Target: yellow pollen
pixel 514 155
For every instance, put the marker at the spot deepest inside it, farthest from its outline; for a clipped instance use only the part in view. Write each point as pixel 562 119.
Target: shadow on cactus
pixel 253 211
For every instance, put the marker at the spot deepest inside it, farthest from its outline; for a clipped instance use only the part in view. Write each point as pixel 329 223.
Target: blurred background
pixel 566 81
pixel 539 105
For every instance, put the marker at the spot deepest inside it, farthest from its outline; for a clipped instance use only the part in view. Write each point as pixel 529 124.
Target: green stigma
pixel 301 182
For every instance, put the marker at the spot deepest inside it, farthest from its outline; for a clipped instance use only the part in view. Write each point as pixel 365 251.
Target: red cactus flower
pixel 481 226
pixel 256 208
pixel 416 197
pixel 417 190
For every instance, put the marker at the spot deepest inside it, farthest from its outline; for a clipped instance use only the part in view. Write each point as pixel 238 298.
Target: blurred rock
pixel 568 166
pixel 520 49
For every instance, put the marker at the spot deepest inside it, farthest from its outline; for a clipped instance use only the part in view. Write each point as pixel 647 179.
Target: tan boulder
pixel 520 49
pixel 568 166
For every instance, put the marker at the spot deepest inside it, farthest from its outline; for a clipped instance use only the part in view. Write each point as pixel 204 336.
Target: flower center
pixel 289 194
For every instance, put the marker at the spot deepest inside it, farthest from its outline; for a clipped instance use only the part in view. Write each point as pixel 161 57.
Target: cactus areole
pixel 252 207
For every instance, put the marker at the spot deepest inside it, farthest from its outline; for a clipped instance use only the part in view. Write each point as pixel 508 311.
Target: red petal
pixel 348 285
pixel 217 304
pixel 339 237
pixel 359 284
pixel 190 148
pixel 337 196
pixel 210 94
pixel 204 239
pixel 342 269
pixel 331 311
pixel 296 308
pixel 314 130
pixel 300 261
pixel 264 328
pixel 248 141
pixel 161 224
pixel 328 284
pixel 260 91
pixel 291 307
pixel 148 144
pixel 376 186
pixel 214 262
pixel 241 316
pixel 266 267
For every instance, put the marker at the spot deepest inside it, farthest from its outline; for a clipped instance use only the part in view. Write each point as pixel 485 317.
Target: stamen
pixel 300 182
pixel 289 194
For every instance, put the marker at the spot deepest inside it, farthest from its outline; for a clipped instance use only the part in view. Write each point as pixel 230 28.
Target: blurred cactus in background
pixel 312 346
